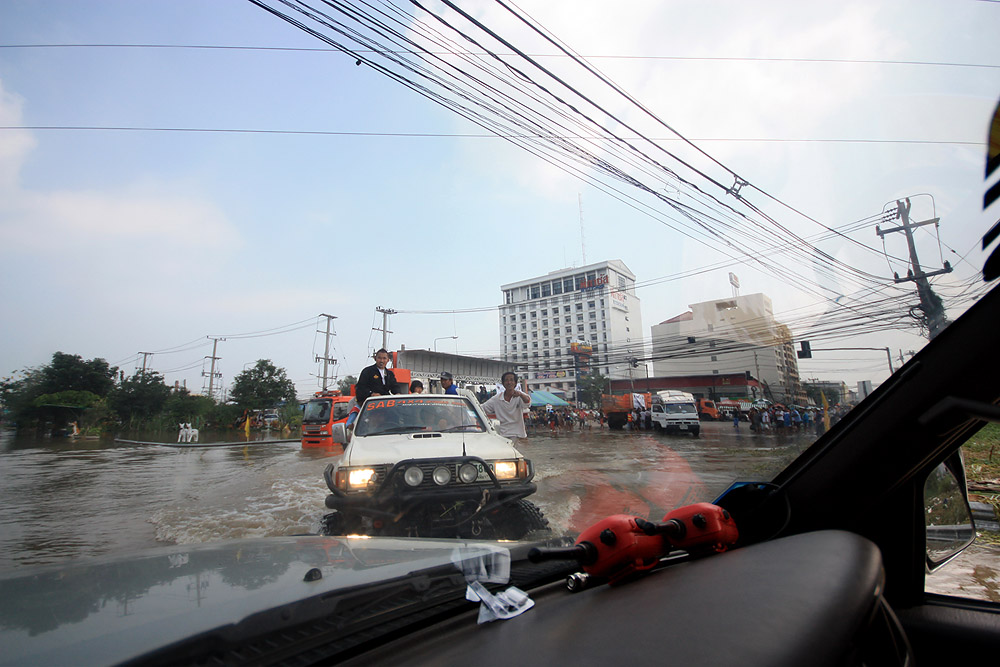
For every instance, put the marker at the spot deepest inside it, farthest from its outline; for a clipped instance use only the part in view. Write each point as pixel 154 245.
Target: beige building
pixel 734 335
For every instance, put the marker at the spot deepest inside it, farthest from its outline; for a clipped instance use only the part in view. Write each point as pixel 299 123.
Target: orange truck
pixel 707 410
pixel 327 408
pixel 616 409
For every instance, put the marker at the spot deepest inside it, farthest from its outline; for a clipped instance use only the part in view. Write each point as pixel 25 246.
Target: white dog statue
pixel 187 434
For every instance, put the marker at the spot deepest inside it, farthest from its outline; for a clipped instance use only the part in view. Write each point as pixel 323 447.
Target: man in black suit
pixel 376 380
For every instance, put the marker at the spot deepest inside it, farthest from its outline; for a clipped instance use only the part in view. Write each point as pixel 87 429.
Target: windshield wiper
pixel 455 428
pixel 400 429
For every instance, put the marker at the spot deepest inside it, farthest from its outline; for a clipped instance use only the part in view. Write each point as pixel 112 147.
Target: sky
pixel 364 194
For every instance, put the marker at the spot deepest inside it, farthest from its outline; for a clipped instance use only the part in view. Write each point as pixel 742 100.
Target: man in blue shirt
pixel 448 384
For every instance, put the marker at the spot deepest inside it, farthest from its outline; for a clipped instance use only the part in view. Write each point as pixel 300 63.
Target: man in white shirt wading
pixel 509 408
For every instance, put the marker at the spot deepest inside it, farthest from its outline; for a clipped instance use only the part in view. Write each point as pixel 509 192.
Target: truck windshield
pixel 677 408
pixel 418 414
pixel 317 411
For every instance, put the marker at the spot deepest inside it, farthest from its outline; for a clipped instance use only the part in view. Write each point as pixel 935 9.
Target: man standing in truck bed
pixel 376 380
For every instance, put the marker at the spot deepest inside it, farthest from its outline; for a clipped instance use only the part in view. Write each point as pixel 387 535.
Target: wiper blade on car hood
pixel 399 429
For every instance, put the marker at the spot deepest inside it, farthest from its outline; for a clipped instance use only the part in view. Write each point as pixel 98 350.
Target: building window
pixel 569 319
pixel 523 317
pixel 593 326
pixel 579 318
pixel 557 287
pixel 545 313
pixel 579 306
pixel 714 358
pixel 545 323
pixel 534 314
pixel 534 291
pixel 579 328
pixel 524 327
pixel 567 285
pixel 546 289
pixel 590 304
pixel 556 330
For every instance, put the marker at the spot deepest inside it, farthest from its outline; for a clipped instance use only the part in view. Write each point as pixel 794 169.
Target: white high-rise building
pixel 542 317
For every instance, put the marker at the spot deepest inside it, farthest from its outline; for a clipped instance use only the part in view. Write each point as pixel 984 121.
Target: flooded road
pixel 65 499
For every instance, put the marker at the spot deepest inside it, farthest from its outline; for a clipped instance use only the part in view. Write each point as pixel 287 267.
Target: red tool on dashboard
pixel 621 545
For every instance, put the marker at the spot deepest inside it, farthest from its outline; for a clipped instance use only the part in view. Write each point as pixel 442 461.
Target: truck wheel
pixel 519 519
pixel 696 432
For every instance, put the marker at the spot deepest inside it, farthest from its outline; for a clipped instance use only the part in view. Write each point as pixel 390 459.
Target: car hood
pixel 376 449
pixel 107 611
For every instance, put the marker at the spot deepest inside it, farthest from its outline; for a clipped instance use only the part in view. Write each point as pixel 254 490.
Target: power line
pixel 466 135
pixel 292 49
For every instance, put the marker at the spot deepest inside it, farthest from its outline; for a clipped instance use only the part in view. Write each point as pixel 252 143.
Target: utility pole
pixel 211 373
pixel 932 309
pixel 326 350
pixel 386 312
pixel 145 355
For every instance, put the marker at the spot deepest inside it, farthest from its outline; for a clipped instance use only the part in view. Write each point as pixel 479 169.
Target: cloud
pixel 15 145
pixel 151 220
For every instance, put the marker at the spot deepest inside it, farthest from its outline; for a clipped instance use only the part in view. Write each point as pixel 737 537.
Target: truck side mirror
pixel 338 434
pixel 948 522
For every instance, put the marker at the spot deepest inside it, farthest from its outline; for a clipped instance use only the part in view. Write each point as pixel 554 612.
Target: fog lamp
pixel 413 476
pixel 441 476
pixel 468 473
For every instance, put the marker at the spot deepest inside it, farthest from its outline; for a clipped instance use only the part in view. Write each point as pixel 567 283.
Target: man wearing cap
pixel 448 384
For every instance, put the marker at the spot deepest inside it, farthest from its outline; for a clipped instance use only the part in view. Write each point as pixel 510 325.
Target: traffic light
pixel 806 351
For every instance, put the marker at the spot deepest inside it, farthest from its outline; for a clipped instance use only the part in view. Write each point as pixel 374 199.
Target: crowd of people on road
pixel 513 408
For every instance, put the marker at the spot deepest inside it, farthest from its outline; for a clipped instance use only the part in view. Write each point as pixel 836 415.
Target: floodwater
pixel 64 499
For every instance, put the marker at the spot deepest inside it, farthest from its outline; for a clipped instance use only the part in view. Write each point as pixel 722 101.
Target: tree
pixel 344 385
pixel 262 386
pixel 590 387
pixel 69 372
pixel 140 398
pixel 21 392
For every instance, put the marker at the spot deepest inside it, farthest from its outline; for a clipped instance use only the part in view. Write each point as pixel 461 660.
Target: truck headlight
pixel 505 469
pixel 360 477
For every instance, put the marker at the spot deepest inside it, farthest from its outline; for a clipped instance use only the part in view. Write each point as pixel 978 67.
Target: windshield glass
pixel 768 207
pixel 398 415
pixel 317 411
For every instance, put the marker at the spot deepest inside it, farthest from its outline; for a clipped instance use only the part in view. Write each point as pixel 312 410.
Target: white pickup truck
pixel 675 412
